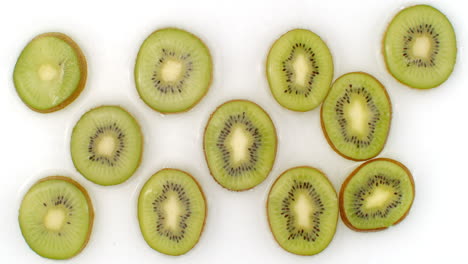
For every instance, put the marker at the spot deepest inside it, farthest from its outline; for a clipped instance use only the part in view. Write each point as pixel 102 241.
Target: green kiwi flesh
pixel 171 212
pixel 106 145
pixel 299 70
pixel 173 70
pixel 240 145
pixel 50 72
pixel 302 211
pixel 356 116
pixel 420 47
pixel 56 217
pixel 376 195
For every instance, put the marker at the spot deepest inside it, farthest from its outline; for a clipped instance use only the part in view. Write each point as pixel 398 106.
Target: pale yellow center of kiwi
pixel 171 70
pixel 301 69
pixel 54 219
pixel 303 209
pixel 239 143
pixel 106 145
pixel 47 72
pixel 172 211
pixel 358 115
pixel 422 46
pixel 377 198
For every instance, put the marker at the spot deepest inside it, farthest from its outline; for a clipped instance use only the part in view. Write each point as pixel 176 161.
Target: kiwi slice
pixel 240 145
pixel 173 70
pixel 376 195
pixel 106 145
pixel 303 211
pixel 171 211
pixel 299 70
pixel 356 116
pixel 56 217
pixel 420 47
pixel 50 72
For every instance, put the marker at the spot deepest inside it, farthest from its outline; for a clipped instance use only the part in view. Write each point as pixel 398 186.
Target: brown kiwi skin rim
pixel 204 150
pixel 204 200
pixel 83 70
pixel 385 57
pixel 389 125
pixel 88 200
pixel 142 143
pixel 268 79
pixel 209 83
pixel 345 184
pixel 266 205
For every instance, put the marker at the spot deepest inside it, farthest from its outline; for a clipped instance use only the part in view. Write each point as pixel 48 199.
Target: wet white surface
pixel 428 131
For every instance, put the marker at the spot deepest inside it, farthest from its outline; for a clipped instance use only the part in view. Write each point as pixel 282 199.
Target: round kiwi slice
pixel 420 47
pixel 376 195
pixel 240 145
pixel 173 70
pixel 56 217
pixel 356 116
pixel 106 145
pixel 50 72
pixel 299 70
pixel 171 211
pixel 302 211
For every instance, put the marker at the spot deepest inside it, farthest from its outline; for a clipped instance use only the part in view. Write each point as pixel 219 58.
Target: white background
pixel 428 131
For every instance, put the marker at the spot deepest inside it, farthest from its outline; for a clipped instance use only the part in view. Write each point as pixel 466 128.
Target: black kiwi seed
pixel 157 208
pixel 177 86
pixel 257 142
pixel 291 87
pixel 345 99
